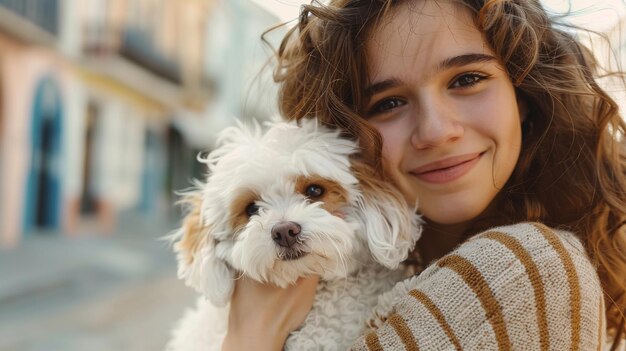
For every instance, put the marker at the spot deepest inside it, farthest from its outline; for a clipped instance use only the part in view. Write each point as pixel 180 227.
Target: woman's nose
pixel 436 124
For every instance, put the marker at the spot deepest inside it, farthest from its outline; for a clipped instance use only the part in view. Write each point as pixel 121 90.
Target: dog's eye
pixel 252 209
pixel 314 191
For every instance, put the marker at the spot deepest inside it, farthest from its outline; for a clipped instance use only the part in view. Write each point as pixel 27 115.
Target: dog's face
pixel 288 203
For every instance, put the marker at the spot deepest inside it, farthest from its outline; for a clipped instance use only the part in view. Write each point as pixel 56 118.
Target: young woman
pixel 489 115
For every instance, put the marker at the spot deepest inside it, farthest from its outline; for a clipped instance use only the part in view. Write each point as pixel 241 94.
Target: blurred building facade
pixel 105 103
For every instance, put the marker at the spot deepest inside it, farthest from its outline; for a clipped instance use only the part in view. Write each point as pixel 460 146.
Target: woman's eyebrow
pixel 381 86
pixel 462 60
pixel 450 62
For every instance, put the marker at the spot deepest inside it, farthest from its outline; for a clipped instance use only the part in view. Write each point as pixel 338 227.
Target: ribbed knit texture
pixel 519 287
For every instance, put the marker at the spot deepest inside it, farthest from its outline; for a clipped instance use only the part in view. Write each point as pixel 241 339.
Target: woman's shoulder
pixel 534 273
pixel 534 249
pixel 523 286
pixel 548 268
pixel 533 246
pixel 533 235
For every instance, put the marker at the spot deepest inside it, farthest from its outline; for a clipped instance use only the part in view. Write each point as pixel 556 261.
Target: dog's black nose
pixel 285 233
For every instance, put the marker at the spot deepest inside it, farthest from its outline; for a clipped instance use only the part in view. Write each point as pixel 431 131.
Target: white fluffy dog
pixel 291 202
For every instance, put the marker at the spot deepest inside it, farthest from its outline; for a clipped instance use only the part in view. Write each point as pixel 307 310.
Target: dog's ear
pixel 391 226
pixel 198 265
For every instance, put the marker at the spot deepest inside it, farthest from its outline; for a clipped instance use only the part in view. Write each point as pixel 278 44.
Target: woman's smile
pixel 448 169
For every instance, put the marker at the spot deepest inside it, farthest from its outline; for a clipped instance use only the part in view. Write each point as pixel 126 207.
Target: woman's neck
pixel 439 239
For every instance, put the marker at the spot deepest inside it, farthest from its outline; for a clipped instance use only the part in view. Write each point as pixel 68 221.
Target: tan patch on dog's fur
pixel 238 216
pixel 194 233
pixel 334 197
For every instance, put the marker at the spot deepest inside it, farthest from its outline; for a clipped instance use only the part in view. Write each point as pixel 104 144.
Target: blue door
pixel 43 192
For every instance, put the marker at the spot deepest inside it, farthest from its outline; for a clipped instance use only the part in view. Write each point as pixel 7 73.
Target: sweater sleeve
pixel 520 287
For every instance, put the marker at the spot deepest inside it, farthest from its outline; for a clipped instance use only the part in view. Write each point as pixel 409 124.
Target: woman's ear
pixel 389 224
pixel 198 265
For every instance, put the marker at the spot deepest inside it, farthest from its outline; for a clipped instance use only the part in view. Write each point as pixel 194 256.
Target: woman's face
pixel 445 108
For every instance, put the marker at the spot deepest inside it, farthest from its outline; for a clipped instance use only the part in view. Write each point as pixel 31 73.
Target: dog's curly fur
pixel 349 227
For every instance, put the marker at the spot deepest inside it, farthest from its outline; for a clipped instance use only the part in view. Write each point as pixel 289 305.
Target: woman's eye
pixel 386 106
pixel 467 80
pixel 314 191
pixel 252 209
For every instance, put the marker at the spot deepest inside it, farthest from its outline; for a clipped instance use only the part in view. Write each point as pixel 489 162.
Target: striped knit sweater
pixel 520 287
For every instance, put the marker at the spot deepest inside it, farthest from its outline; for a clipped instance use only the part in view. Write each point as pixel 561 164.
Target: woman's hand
pixel 263 315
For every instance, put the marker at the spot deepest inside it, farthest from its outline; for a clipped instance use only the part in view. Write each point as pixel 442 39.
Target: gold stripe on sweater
pixel 372 342
pixel 436 312
pixel 474 279
pixel 572 281
pixel 535 280
pixel 403 332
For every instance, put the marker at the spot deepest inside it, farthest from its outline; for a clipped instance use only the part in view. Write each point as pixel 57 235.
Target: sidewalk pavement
pixel 115 292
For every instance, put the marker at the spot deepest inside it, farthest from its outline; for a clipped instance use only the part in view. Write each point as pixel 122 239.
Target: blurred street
pixel 95 292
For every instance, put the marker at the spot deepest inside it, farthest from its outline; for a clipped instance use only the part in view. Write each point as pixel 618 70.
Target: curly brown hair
pixel 571 173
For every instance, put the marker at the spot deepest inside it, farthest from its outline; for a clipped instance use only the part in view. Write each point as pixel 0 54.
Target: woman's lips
pixel 448 169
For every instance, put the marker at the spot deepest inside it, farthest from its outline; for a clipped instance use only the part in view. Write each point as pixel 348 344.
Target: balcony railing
pixel 133 44
pixel 138 46
pixel 43 13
